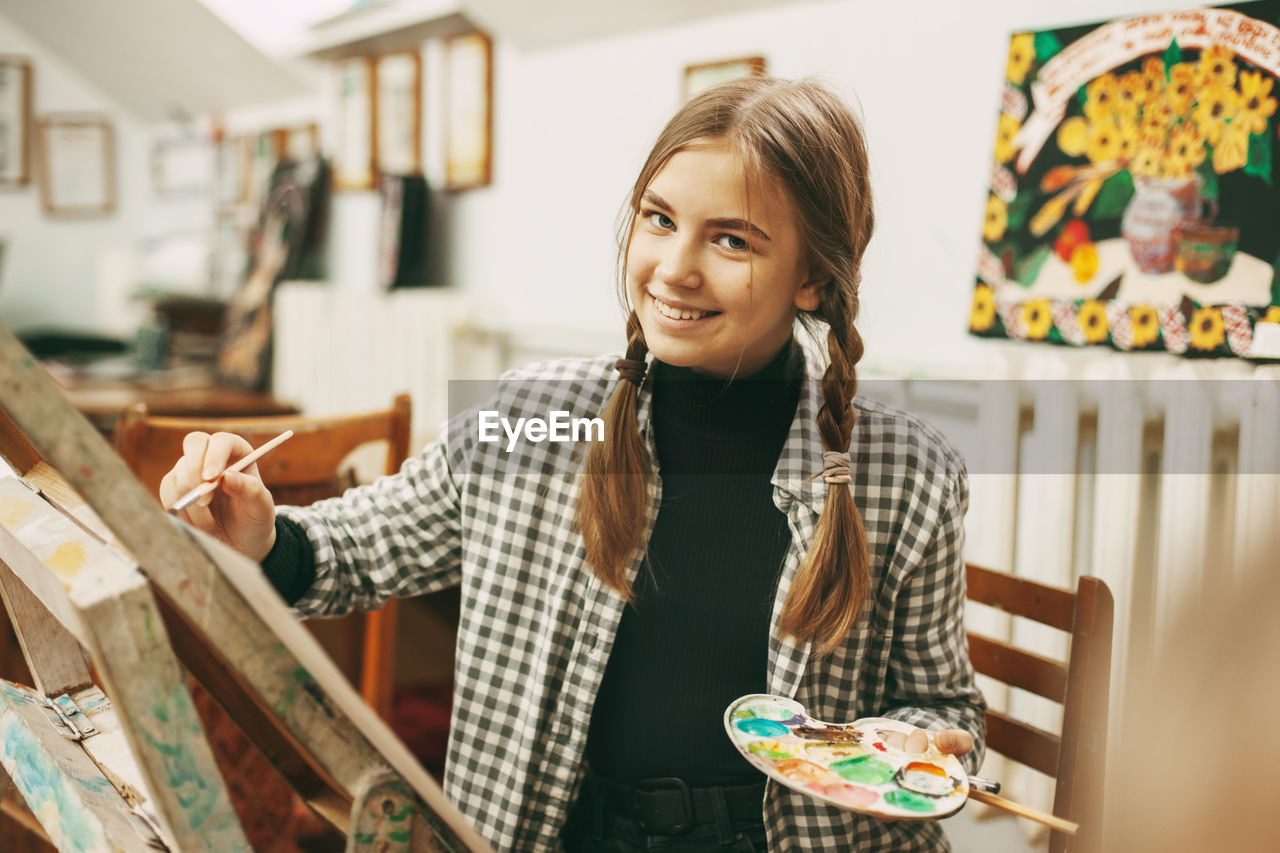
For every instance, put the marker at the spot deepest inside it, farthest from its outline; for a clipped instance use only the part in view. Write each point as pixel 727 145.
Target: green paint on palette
pixel 762 749
pixel 762 728
pixel 400 835
pixel 910 801
pixel 866 769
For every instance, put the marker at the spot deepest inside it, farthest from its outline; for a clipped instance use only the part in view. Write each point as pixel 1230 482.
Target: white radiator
pixel 1157 475
pixel 340 350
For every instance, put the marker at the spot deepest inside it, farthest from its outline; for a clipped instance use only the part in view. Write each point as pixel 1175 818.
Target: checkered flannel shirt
pixel 537 626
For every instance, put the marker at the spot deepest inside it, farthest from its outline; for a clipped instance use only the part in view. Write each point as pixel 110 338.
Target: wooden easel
pixel 142 593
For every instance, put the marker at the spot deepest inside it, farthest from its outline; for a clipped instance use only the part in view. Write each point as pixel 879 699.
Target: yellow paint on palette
pixel 13 511
pixel 66 561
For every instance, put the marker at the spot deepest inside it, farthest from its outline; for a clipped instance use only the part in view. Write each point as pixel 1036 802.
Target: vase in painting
pixel 1158 207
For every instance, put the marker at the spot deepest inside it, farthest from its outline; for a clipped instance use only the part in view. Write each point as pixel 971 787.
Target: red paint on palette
pixel 880 747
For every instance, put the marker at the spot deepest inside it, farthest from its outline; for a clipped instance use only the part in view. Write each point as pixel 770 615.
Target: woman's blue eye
pixel 661 220
pixel 733 241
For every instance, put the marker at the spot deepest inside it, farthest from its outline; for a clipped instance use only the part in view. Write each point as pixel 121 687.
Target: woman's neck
pixel 743 406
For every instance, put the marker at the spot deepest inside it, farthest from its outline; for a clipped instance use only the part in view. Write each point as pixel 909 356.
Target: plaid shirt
pixel 537 626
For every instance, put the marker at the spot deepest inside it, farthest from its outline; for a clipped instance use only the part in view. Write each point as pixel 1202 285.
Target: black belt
pixel 669 806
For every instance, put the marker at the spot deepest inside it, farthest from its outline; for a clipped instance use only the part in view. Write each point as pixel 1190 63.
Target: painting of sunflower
pixel 1207 329
pixel 1037 317
pixel 1145 324
pixel 983 315
pixel 1134 176
pixel 1093 321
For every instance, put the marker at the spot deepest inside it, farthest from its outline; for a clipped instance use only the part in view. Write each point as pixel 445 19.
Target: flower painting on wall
pixel 1133 198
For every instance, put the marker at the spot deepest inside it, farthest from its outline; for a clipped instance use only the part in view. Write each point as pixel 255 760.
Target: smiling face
pixel 716 286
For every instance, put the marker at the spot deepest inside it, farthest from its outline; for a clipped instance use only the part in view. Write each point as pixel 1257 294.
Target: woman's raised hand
pixel 240 511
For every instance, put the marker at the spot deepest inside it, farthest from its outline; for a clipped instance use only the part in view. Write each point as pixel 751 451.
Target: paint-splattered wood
pixel 318 719
pixel 65 498
pixel 75 804
pixel 306 672
pixel 18 826
pixel 44 563
pixel 53 653
pixel 149 694
pixel 116 618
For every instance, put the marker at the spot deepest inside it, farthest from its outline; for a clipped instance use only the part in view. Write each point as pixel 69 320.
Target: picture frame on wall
pixel 15 121
pixel 399 111
pixel 704 75
pixel 356 125
pixel 468 111
pixel 182 166
pixel 77 165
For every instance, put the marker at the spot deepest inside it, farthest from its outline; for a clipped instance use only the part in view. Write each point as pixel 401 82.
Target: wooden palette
pixel 848 765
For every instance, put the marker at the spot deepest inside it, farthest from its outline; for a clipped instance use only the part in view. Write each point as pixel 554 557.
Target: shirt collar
pixel 800 463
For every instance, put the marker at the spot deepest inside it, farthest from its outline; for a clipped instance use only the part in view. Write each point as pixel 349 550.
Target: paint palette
pixel 848 765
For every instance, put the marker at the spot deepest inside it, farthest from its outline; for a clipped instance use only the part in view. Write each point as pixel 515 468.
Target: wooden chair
pixel 1076 757
pixel 304 469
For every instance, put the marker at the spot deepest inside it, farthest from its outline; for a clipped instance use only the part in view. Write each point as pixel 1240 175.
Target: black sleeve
pixel 291 563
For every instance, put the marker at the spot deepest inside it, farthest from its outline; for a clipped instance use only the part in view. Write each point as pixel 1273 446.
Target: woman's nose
pixel 679 265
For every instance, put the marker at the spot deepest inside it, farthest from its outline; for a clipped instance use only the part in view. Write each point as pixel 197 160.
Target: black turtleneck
pixel 697 636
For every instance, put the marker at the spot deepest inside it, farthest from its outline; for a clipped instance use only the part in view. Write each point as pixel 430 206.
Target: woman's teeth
pixel 677 314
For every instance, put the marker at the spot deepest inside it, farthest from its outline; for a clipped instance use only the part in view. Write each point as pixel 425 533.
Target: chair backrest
pixel 1075 757
pixel 304 469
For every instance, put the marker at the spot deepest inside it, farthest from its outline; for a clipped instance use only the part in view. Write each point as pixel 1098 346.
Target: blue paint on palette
pixel 762 728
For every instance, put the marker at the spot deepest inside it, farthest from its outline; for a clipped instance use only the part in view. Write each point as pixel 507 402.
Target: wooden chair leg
pixel 377 672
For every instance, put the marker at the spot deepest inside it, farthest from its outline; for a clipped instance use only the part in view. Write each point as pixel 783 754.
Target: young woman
pixel 745 525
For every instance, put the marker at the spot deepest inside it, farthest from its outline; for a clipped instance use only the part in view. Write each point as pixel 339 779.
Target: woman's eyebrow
pixel 731 224
pixel 739 225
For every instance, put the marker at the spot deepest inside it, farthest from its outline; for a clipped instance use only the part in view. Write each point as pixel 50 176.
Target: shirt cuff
pixel 290 566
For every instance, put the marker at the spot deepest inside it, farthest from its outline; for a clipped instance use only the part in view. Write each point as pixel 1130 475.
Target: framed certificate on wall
pixel 77 165
pixel 353 160
pixel 399 112
pixel 468 111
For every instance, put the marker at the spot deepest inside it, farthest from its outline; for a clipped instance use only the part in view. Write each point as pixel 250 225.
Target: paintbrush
pixel 239 465
pixel 979 789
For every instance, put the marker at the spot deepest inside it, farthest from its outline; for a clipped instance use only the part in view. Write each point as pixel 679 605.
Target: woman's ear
pixel 809 296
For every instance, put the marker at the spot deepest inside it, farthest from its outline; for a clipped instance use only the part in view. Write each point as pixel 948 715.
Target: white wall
pixel 573 125
pixel 70 273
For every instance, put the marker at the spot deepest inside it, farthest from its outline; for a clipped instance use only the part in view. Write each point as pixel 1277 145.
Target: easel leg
pixel 382 816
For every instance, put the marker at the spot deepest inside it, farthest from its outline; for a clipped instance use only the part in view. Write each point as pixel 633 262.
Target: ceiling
pixel 156 58
pixel 547 23
pixel 164 58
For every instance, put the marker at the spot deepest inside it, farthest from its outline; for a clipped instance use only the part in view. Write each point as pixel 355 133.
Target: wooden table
pixel 102 401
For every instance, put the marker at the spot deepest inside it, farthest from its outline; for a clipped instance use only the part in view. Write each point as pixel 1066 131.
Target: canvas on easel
pixel 179 596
